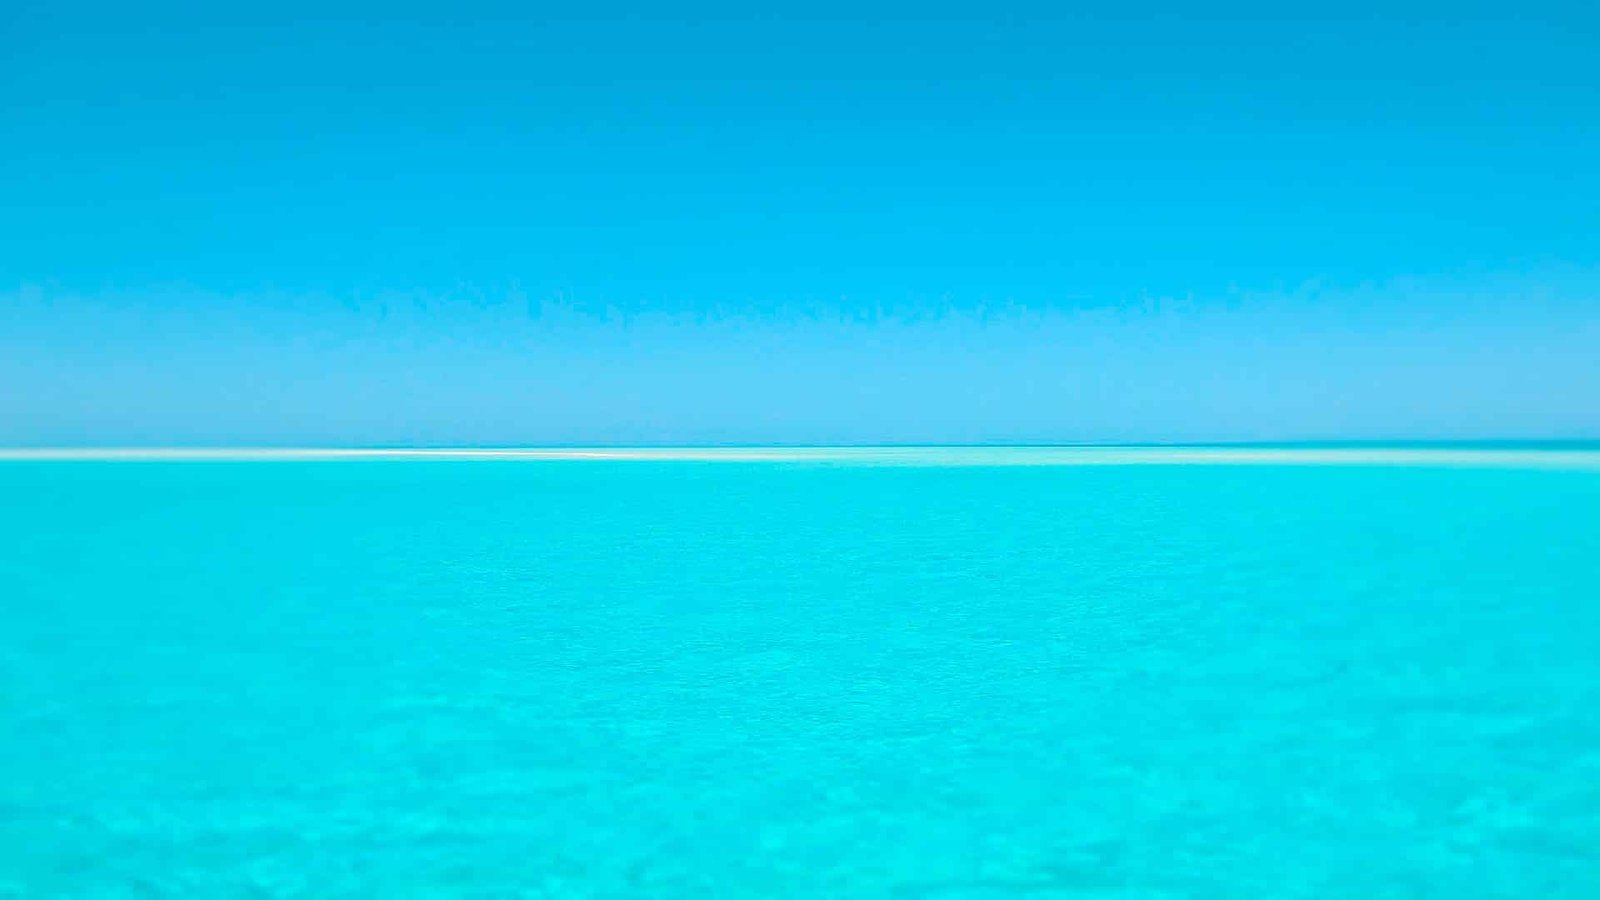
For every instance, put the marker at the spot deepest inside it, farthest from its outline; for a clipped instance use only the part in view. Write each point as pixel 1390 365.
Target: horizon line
pixel 1515 454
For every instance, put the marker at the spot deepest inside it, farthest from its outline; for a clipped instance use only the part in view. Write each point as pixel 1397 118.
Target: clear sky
pixel 475 223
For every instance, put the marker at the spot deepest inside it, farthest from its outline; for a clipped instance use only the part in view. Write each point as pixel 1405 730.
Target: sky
pixel 475 223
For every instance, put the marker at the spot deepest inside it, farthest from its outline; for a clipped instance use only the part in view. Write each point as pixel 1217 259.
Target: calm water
pixel 769 679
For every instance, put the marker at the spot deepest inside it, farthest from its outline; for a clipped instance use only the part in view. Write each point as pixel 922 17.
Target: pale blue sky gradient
pixel 478 223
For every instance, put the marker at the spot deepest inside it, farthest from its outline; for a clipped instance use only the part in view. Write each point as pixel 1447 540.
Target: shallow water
pixel 559 678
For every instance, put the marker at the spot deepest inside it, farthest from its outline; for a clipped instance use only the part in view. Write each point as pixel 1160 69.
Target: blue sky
pixel 683 223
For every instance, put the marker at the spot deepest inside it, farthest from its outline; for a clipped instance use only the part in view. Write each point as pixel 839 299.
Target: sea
pixel 896 673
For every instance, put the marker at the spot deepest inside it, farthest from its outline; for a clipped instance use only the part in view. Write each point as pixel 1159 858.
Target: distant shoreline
pixel 1073 455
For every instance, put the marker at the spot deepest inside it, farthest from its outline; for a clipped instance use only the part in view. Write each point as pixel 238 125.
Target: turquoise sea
pixel 917 676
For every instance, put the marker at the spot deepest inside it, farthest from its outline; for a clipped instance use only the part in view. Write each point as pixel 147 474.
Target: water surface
pixel 799 677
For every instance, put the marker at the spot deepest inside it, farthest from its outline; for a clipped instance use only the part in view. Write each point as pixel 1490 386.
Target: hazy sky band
pixel 1513 358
